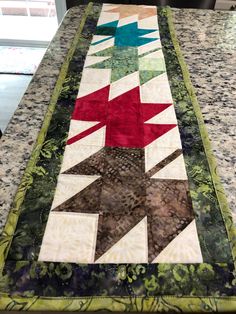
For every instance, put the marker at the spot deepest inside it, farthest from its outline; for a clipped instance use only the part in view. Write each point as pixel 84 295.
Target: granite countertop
pixel 208 42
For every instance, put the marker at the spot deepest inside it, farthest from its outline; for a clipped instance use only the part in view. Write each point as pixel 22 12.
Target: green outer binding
pixel 123 304
pixel 225 210
pixel 12 219
pixel 115 304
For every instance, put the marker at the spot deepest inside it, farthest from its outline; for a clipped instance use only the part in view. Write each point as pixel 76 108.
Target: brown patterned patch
pixel 112 227
pixel 124 162
pixel 86 201
pixel 168 198
pixel 125 194
pixel 161 231
pixel 93 165
pixel 112 162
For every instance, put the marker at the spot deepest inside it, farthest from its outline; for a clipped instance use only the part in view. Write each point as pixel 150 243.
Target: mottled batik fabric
pixel 122 194
pixel 121 201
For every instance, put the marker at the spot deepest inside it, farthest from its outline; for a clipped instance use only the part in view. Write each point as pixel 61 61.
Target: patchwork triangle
pixel 132 248
pixel 75 154
pixel 104 53
pixel 91 60
pixel 154 131
pixel 151 110
pixel 174 170
pixel 165 117
pixel 147 75
pixel 185 248
pixel 77 127
pixel 70 185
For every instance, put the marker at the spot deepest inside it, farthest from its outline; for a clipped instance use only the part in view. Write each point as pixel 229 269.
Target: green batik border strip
pixel 122 304
pixel 13 216
pixel 150 304
pixel 225 210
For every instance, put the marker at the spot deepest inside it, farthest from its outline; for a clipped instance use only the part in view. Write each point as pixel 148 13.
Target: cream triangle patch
pixel 132 248
pixel 185 248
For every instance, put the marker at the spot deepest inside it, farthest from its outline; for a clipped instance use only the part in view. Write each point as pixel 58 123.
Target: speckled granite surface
pixel 208 43
pixel 18 140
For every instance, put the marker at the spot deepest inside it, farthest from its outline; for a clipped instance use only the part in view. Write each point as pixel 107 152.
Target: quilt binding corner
pixel 94 303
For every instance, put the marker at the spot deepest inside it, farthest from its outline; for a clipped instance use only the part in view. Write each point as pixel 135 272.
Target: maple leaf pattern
pixel 125 194
pixel 123 191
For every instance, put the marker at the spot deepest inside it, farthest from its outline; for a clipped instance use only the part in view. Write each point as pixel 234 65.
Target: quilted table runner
pixel 120 207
